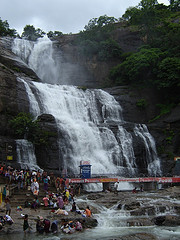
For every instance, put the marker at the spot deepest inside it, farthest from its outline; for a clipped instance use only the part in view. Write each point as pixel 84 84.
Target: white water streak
pixel 152 159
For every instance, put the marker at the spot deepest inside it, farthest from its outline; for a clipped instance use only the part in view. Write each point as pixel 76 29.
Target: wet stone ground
pixel 160 207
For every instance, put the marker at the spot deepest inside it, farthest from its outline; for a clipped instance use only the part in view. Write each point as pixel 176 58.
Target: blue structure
pixel 85 170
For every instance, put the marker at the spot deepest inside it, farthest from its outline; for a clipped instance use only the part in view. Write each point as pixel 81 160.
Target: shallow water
pixel 161 233
pixel 113 223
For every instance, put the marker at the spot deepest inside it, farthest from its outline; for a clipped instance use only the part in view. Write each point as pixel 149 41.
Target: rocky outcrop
pixel 13 97
pixel 89 71
pixel 165 130
pixel 48 155
pixel 167 220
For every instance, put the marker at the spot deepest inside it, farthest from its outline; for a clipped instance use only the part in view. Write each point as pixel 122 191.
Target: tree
pixel 148 3
pixel 99 22
pixel 174 5
pixel 5 30
pixel 132 14
pixel 138 68
pixel 109 49
pixel 32 34
pixel 169 73
pixel 54 34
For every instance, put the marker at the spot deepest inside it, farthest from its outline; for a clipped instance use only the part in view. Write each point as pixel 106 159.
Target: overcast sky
pixel 67 16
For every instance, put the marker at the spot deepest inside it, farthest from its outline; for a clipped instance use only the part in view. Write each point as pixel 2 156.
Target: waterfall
pixel 39 56
pixel 153 161
pixel 33 106
pixel 89 121
pixel 25 155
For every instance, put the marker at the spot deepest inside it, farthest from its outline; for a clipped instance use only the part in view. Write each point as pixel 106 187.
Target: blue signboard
pixel 85 171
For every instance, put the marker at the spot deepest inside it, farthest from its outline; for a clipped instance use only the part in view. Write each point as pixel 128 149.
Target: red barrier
pixel 133 180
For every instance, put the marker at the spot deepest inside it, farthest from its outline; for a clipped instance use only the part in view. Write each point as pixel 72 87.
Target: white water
pixel 115 223
pixel 25 155
pixel 83 118
pixel 153 161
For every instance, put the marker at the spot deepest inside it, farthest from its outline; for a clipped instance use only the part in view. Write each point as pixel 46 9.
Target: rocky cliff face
pixel 86 71
pixel 83 72
pixel 166 130
pixel 13 99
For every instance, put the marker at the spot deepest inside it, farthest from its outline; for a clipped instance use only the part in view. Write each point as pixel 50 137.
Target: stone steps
pixel 20 196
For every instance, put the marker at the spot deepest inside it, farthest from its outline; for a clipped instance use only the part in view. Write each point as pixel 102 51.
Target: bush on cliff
pixel 24 126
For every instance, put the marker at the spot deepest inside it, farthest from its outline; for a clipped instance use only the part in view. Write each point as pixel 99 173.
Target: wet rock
pixel 168 220
pixel 159 220
pixel 139 222
pixel 137 236
pixel 138 212
pixel 83 206
pixel 132 205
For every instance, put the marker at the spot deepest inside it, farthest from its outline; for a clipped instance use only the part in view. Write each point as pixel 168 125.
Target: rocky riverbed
pixel 146 209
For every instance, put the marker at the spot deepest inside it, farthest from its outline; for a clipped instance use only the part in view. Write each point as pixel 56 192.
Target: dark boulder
pixel 168 220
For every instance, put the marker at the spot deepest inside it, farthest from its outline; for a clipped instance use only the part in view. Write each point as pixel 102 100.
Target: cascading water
pixel 25 155
pixel 153 162
pixel 84 118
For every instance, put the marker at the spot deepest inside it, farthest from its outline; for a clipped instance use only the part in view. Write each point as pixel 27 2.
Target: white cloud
pixel 61 15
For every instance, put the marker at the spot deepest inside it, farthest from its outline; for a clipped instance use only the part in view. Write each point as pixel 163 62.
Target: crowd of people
pixel 32 180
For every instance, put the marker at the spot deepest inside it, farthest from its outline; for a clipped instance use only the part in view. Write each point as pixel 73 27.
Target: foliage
pixel 164 109
pixel 54 34
pixel 137 68
pixel 169 73
pixel 100 22
pixel 24 126
pixel 5 30
pixel 109 49
pixel 30 33
pixel 16 69
pixel 96 39
pixel 157 64
pixel 170 135
pixel 141 103
pixel 175 5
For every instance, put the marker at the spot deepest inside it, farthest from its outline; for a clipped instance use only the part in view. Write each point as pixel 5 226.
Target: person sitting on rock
pixel 8 219
pixel 87 212
pixel 54 226
pixel 73 207
pixel 46 225
pixel 78 226
pixel 40 225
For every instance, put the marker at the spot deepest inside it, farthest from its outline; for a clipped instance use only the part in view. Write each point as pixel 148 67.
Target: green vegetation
pixel 164 109
pixel 96 39
pixel 84 88
pixel 16 69
pixel 170 134
pixel 157 63
pixel 30 33
pixel 54 34
pixel 24 126
pixel 5 30
pixel 141 103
